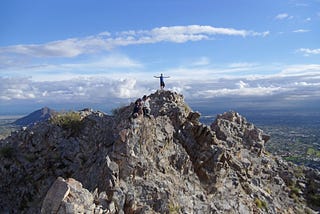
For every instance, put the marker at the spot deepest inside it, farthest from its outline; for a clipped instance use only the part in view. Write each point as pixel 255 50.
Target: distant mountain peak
pixel 37 116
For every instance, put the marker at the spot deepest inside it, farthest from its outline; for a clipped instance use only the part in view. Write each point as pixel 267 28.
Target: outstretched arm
pixel 156 77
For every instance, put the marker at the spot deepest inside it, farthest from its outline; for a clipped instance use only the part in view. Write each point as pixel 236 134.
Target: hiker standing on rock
pixel 162 85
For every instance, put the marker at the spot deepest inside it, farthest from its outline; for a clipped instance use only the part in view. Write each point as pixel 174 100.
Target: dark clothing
pixel 137 109
pixel 161 77
pixel 161 81
pixel 162 84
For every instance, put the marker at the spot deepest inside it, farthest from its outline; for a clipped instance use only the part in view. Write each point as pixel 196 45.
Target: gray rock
pixel 56 194
pixel 169 163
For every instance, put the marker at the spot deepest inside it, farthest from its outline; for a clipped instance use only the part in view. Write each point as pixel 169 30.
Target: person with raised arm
pixel 162 85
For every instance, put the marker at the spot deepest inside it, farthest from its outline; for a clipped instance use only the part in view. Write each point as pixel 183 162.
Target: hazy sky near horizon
pixel 73 53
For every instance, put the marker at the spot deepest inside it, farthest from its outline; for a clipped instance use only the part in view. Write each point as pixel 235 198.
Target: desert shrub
pixel 260 203
pixel 70 121
pixel 173 208
pixel 294 190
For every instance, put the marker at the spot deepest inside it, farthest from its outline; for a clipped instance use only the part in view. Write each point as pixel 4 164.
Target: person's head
pixel 144 97
pixel 138 101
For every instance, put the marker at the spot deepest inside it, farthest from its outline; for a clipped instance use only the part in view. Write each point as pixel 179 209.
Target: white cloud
pixel 105 41
pixel 292 82
pixel 301 70
pixel 242 84
pixel 263 34
pixel 283 16
pixel 61 48
pixel 301 31
pixel 103 65
pixel 75 90
pixel 16 88
pixel 308 51
pixel 257 91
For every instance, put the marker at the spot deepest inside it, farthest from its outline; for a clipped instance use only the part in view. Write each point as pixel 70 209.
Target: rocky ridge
pixel 170 163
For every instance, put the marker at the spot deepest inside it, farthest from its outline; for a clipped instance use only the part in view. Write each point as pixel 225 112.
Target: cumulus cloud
pixel 16 88
pixel 300 82
pixel 72 91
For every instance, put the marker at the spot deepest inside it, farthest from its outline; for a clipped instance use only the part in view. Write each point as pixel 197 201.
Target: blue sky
pixel 73 54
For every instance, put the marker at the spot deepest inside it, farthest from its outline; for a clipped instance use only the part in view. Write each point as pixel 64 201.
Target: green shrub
pixel 70 121
pixel 173 209
pixel 294 190
pixel 260 204
pixel 313 152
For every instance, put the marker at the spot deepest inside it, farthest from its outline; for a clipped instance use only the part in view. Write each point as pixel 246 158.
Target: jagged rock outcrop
pixel 169 163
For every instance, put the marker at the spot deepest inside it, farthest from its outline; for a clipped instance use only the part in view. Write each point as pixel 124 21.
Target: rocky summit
pixel 169 163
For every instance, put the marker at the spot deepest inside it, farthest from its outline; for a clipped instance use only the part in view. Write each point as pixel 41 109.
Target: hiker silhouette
pixel 162 85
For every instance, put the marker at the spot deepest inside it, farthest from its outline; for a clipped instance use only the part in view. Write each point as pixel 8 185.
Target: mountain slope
pixel 170 163
pixel 35 117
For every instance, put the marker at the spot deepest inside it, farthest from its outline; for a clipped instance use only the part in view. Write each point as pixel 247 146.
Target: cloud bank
pixel 298 83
